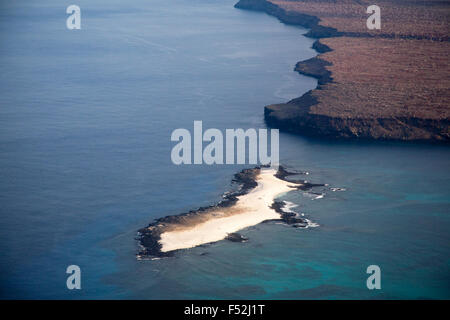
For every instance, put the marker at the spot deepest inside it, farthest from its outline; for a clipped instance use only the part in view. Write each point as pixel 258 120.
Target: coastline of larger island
pixel 388 84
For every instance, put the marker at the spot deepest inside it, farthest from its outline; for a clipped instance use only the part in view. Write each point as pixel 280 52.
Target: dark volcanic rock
pixel 290 218
pixel 295 117
pixel 315 67
pixel 320 47
pixel 236 237
pixel 283 174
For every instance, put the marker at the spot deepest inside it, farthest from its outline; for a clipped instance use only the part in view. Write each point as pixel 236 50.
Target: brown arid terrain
pixel 387 84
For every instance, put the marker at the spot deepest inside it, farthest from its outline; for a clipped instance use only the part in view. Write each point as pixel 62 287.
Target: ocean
pixel 85 123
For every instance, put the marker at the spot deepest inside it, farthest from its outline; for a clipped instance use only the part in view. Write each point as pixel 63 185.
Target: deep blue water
pixel 85 123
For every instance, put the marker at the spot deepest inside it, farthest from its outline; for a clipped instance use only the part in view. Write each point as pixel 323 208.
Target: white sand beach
pixel 250 209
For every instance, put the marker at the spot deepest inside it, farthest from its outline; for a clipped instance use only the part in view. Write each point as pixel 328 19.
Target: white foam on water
pixel 311 224
pixel 288 208
pixel 337 189
pixel 314 196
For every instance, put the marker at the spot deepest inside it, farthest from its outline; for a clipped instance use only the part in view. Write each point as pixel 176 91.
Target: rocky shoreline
pixel 298 115
pixel 150 236
pixel 293 18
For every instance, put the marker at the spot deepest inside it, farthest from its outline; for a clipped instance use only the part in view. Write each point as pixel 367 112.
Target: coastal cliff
pixel 368 84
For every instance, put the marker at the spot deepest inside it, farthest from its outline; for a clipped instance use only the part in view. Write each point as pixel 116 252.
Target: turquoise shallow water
pixel 85 123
